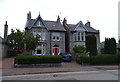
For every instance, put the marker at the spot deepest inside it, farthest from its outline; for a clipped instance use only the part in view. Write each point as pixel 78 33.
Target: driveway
pixel 8 68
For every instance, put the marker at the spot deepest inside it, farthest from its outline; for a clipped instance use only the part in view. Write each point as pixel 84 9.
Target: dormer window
pixel 38 23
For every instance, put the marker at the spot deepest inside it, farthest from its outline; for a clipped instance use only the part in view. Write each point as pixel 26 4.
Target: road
pixel 91 75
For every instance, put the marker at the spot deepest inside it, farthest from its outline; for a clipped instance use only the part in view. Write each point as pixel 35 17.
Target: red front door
pixel 55 51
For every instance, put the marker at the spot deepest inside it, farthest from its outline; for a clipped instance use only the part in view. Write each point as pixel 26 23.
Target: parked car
pixel 66 57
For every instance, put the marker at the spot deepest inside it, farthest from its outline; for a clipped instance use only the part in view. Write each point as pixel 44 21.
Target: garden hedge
pixel 34 59
pixel 101 59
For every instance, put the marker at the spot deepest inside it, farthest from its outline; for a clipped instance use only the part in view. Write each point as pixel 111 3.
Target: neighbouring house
pixel 75 34
pixel 6 44
pixel 3 42
pixel 57 37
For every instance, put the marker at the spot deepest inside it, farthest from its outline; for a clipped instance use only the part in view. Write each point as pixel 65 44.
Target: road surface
pixel 91 75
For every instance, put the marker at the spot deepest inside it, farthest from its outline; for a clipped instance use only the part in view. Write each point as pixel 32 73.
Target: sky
pixel 103 14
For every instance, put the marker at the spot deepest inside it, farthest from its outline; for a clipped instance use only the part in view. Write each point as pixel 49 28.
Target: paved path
pixel 8 68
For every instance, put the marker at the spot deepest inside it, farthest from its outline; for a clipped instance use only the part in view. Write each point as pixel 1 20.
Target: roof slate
pixel 53 25
pixel 88 29
pixel 50 25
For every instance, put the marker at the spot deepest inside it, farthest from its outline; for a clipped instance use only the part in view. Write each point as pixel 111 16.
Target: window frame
pixel 79 36
pixel 55 36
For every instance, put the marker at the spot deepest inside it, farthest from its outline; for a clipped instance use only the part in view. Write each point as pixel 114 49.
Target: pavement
pixel 8 68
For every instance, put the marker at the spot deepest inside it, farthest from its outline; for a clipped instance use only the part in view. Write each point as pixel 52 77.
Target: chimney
pixel 88 24
pixel 64 21
pixel 58 20
pixel 5 31
pixel 29 16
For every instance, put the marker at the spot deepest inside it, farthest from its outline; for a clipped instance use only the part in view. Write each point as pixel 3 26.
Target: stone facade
pixel 59 37
pixel 77 33
pixel 52 33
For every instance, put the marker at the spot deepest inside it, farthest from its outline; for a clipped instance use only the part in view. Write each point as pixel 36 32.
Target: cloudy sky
pixel 103 14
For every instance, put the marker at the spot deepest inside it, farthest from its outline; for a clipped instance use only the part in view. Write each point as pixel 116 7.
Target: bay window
pixel 41 34
pixel 79 36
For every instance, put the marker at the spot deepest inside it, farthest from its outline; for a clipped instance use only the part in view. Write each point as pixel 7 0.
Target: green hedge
pixel 101 59
pixel 34 59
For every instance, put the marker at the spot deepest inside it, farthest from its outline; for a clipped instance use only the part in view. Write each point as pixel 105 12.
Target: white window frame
pixel 40 47
pixel 78 36
pixel 55 35
pixel 42 35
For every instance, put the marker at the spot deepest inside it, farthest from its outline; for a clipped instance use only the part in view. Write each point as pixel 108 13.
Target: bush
pixel 101 59
pixel 79 49
pixel 34 59
pixel 104 59
pixel 85 59
pixel 91 45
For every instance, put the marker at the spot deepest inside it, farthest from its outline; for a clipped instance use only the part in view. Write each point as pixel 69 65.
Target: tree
pixel 31 41
pixel 79 49
pixel 91 45
pixel 21 39
pixel 17 37
pixel 110 46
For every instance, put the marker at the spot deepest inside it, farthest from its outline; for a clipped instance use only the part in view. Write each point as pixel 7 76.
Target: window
pixel 40 49
pixel 41 34
pixel 55 36
pixel 38 23
pixel 79 36
pixel 82 36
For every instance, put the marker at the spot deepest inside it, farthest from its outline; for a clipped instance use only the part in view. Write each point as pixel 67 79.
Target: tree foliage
pixel 91 45
pixel 110 46
pixel 24 40
pixel 31 41
pixel 17 37
pixel 79 49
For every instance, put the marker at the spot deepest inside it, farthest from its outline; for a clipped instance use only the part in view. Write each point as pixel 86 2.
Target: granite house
pixel 57 37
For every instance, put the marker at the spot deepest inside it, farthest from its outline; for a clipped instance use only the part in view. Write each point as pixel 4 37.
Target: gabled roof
pixel 80 26
pixel 49 25
pixel 87 28
pixel 38 18
pixel 30 24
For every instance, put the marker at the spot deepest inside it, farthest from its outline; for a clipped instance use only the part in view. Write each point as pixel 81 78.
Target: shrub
pixel 110 46
pixel 79 49
pixel 101 59
pixel 104 59
pixel 85 59
pixel 34 59
pixel 91 45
